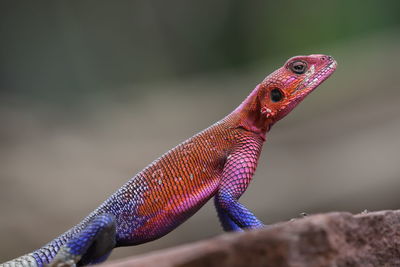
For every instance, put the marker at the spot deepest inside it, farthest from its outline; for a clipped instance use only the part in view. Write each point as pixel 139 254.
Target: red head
pixel 283 90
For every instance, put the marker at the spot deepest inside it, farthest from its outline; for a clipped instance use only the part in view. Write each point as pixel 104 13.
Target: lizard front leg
pixel 237 173
pixel 226 222
pixel 91 245
pixel 233 215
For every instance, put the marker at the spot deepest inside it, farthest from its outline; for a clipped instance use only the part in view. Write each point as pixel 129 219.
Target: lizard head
pixel 286 87
pixel 281 91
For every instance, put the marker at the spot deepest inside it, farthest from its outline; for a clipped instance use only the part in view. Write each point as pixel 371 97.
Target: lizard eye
pixel 276 95
pixel 298 67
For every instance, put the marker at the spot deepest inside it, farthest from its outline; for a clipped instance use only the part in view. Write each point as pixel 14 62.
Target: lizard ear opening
pixel 276 95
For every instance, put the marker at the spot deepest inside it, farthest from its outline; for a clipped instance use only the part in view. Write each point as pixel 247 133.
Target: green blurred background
pixel 93 91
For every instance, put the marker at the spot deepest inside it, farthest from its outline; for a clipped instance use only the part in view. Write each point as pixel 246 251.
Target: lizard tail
pixel 23 261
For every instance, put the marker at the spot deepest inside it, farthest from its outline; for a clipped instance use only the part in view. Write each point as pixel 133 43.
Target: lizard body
pixel 218 162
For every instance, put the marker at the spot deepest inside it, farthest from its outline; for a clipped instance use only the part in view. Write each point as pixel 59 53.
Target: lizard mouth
pixel 313 79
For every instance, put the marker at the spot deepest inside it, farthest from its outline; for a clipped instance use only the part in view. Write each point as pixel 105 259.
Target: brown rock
pixel 332 239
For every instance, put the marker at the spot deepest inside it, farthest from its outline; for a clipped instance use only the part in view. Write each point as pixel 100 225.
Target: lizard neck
pixel 248 114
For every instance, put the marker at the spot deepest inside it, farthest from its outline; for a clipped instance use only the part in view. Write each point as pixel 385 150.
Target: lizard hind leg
pixel 91 245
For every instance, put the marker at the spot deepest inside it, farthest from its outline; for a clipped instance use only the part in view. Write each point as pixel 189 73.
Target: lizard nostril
pixel 329 58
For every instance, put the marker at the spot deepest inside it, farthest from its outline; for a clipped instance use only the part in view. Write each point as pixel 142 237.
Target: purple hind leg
pixel 91 245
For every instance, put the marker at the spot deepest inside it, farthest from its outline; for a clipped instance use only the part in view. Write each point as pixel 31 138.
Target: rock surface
pixel 332 239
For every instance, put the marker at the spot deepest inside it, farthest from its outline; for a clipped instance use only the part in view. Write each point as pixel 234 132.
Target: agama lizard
pixel 218 162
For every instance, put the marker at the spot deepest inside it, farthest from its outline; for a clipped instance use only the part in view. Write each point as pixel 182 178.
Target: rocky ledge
pixel 332 239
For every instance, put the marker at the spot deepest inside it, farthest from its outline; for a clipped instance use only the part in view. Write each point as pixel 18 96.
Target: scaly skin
pixel 219 161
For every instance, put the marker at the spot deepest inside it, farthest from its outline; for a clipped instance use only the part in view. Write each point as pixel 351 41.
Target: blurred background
pixel 93 91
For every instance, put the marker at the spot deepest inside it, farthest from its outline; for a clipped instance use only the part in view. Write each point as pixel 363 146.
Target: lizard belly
pixel 162 211
pixel 171 189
